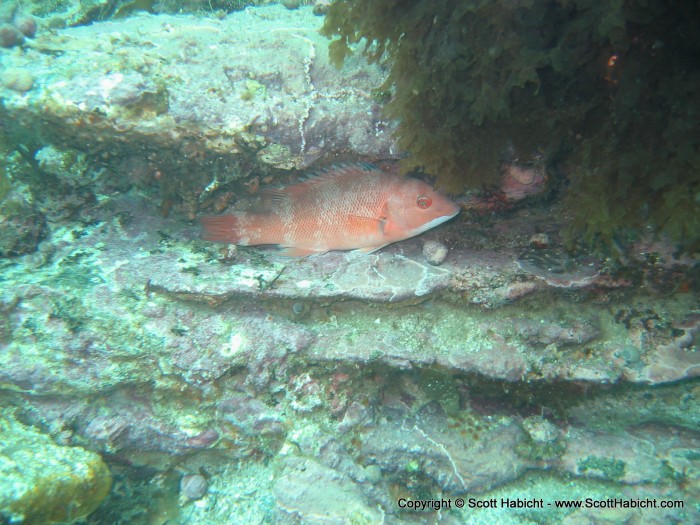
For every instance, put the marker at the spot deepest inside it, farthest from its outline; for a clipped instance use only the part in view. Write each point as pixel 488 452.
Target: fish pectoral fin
pixel 367 222
pixel 293 251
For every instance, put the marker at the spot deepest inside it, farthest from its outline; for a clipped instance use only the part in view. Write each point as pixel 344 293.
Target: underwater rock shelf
pixel 178 306
pixel 197 100
pixel 326 278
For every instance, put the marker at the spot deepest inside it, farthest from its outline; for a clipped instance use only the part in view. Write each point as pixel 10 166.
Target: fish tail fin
pixel 222 228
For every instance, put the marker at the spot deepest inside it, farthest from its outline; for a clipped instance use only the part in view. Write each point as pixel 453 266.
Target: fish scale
pixel 333 201
pixel 351 207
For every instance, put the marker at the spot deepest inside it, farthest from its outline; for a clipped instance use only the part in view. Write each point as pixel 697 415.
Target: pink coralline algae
pixel 204 439
pixel 106 429
pixel 518 182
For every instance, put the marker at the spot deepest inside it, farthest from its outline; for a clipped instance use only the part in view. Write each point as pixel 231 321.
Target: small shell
pixel 539 241
pixel 434 252
pixel 193 486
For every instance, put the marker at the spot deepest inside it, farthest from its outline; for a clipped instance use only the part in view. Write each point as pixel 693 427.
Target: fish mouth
pixel 435 222
pixel 454 211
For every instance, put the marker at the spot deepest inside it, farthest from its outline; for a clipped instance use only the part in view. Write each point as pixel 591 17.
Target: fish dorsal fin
pixel 325 175
pixel 273 197
pixel 338 170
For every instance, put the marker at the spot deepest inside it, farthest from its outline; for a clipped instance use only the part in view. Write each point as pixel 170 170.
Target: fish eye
pixel 424 202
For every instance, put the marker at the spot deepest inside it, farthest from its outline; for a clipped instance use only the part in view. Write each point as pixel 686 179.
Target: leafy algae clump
pixel 605 86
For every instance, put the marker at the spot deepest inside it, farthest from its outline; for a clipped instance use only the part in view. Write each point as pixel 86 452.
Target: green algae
pixel 606 86
pixel 253 89
pixel 4 185
pixel 609 468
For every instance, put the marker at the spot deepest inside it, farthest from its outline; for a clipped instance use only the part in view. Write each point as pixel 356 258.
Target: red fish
pixel 352 207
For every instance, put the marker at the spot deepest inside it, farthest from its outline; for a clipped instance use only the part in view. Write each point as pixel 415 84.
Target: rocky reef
pixel 481 360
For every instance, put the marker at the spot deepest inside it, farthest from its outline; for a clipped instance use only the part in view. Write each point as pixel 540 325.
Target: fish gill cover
pixel 606 89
